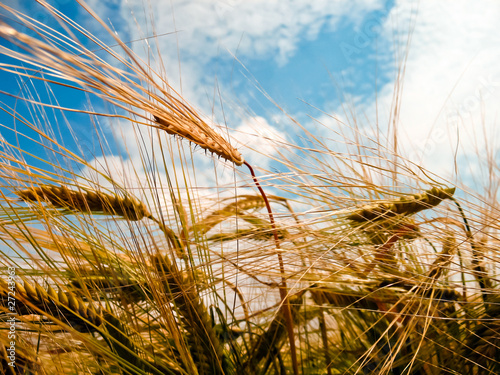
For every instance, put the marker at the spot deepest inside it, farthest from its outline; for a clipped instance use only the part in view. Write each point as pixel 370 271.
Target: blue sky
pixel 331 55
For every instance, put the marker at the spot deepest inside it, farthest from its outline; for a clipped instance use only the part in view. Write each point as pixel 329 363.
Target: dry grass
pixel 330 275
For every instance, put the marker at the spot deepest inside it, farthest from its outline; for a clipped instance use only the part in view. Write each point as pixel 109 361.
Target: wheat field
pixel 352 262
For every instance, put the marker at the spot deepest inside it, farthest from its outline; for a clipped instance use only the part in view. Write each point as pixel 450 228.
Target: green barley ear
pixel 86 201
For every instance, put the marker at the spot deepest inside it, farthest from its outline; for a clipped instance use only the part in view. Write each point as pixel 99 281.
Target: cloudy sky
pixel 430 67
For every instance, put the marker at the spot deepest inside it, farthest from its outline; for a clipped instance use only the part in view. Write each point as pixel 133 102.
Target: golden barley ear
pixel 404 206
pixel 60 306
pixel 197 131
pixel 261 229
pixel 86 201
pixel 116 86
pixel 66 308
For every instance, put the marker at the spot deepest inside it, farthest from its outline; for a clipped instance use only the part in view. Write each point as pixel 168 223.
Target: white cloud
pixel 451 82
pixel 255 28
pixel 206 30
pixel 452 78
pixel 260 140
pixel 260 29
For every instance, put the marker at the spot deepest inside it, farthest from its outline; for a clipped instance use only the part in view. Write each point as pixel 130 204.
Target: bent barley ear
pixel 86 201
pixel 196 131
pixel 404 206
pixel 118 87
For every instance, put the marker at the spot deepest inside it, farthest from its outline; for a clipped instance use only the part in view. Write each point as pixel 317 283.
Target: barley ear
pixel 195 130
pixel 404 206
pixel 232 209
pixel 86 201
pixel 60 307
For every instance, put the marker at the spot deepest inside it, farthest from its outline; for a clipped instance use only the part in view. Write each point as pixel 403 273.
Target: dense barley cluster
pixel 307 280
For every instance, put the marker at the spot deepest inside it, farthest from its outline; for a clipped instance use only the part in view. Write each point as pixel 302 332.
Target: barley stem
pixel 479 271
pixel 283 287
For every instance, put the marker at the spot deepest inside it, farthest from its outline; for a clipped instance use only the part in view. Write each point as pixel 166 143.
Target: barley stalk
pixel 324 338
pixel 283 288
pixel 272 339
pixel 477 256
pixel 206 348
